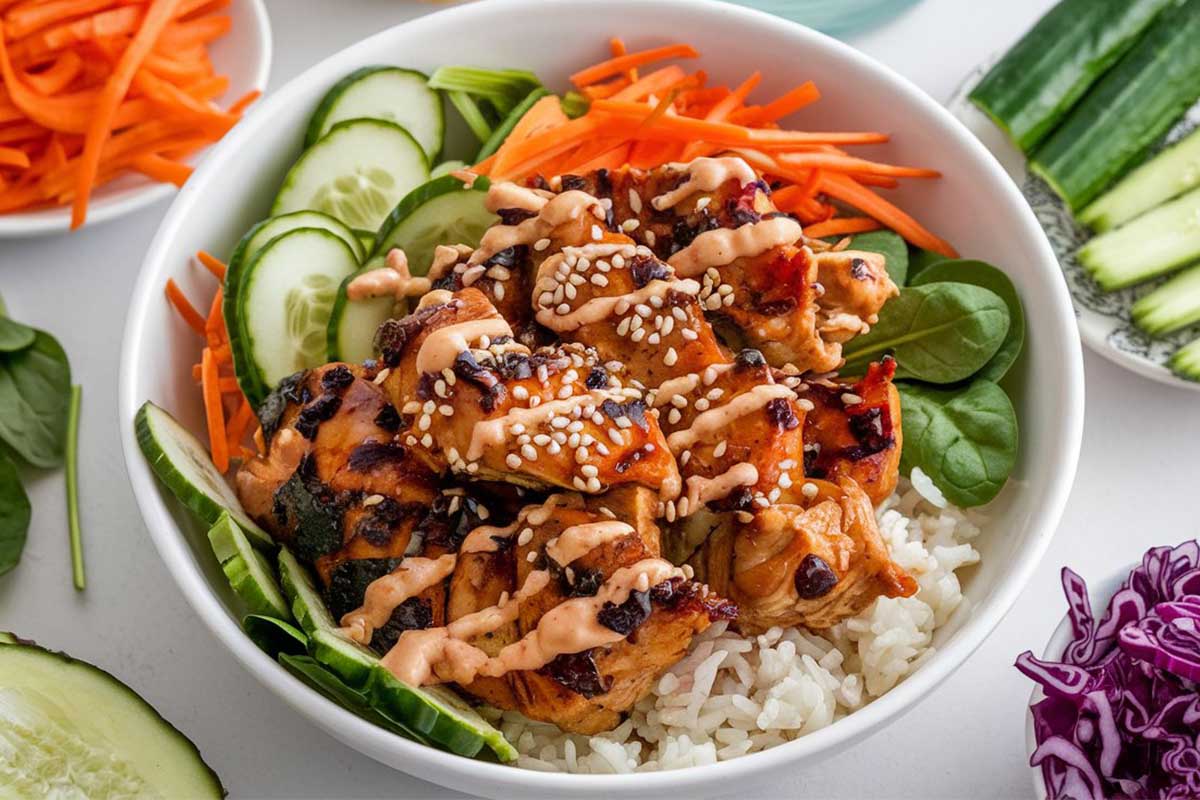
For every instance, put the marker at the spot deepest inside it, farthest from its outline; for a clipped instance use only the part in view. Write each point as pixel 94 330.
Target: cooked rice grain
pixel 734 695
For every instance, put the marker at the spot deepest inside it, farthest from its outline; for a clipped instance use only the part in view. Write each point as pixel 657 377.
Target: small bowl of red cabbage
pixel 1116 711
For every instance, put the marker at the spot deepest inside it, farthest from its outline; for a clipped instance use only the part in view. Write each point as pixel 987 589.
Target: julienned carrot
pixel 544 115
pixel 239 423
pixel 528 155
pixel 56 77
pixel 848 190
pixel 855 165
pixel 835 227
pixel 12 157
pixel 26 18
pixel 161 169
pixel 214 413
pixel 721 110
pixel 212 264
pixel 789 103
pixel 619 64
pixel 158 14
pixel 186 310
pixel 657 82
pixel 616 46
pixel 243 102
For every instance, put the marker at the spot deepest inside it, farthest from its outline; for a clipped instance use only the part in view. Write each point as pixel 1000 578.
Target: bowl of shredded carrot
pixel 106 105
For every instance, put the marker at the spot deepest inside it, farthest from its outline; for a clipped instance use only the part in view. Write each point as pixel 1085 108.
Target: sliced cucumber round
pixel 446 167
pixel 394 94
pixel 442 211
pixel 250 575
pixel 69 729
pixel 184 466
pixel 285 295
pixel 356 173
pixel 366 240
pixel 353 323
pixel 277 226
pixel 432 711
pixel 274 636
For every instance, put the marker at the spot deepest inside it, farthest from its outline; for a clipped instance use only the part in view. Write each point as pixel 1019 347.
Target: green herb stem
pixel 72 470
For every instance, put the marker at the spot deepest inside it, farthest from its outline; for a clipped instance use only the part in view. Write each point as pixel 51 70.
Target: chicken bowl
pixel 627 477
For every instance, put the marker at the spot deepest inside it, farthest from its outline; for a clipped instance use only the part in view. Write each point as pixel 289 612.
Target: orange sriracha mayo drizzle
pixel 384 595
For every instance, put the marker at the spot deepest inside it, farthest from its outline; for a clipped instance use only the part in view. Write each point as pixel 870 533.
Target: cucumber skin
pixel 218 790
pixel 1127 111
pixel 200 504
pixel 1026 93
pixel 1169 174
pixel 313 132
pixel 1185 362
pixel 333 345
pixel 242 365
pixel 414 200
pixel 1174 305
pixel 267 632
pixel 506 127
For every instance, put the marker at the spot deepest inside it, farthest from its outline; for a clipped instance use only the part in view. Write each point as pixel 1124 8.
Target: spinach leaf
pixel 940 333
pixel 274 636
pixel 35 392
pixel 14 515
pixel 920 260
pixel 965 440
pixel 14 336
pixel 980 273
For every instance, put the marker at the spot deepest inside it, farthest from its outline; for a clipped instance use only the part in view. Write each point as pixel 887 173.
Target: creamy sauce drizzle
pixel 561 209
pixel 392 280
pixel 511 195
pixel 442 346
pixel 445 256
pixel 494 432
pixel 579 540
pixel 701 490
pixel 705 175
pixel 384 595
pixel 722 246
pixel 714 419
pixel 600 308
pixel 438 297
pixel 484 539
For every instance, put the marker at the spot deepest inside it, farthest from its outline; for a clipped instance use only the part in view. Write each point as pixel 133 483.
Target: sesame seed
pixel 594 485
pixel 554 448
pixel 525 537
pixel 559 421
pixel 656 301
pixel 446 410
pixel 411 407
pixel 570 573
pixel 668 325
pixel 728 301
pixel 545 299
pixel 424 422
pixel 482 512
pixel 513 461
pixel 809 490
pixel 701 404
pixel 623 327
pixel 621 307
pixel 563 309
pixel 607 512
pixel 684 504
pixel 674 416
pixel 599 280
pixel 805 405
pixel 601 448
pixel 618 261
pixel 679 401
pixel 785 480
pixel 429 406
pixel 725 288
pixel 773 495
pixel 382 376
pixel 851 399
pixel 630 225
pixel 650 238
pixel 623 422
pixel 719 450
pixel 532 557
pixel 576 279
pixel 713 302
pixel 642 310
pixel 671 357
pixel 685 457
pixel 411 441
pixel 669 508
pixel 597 233
pixel 688 572
pixel 638 335
pixel 616 437
pixel 373 500
pixel 635 201
pixel 498 291
pixel 528 452
pixel 744 517
pixel 565 392
pixel 473 467
pixel 589 470
pixel 702 203
pixel 535 401
pixel 579 483
pixel 559 437
pixel 427 441
pixel 541 244
pixel 653 338
pixel 762 502
pixel 571 292
pixel 689 334
pixel 520 393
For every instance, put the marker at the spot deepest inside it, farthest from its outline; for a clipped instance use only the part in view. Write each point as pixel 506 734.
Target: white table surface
pixel 1136 488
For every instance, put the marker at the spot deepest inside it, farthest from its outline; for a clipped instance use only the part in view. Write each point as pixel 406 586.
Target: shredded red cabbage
pixel 1121 717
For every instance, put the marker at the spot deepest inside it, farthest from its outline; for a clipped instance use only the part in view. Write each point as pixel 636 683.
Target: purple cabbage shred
pixel 1121 716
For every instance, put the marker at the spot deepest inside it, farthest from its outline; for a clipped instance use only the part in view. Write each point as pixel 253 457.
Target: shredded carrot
pixel 791 102
pixel 162 169
pixel 619 64
pixel 656 82
pixel 212 264
pixel 186 310
pixel 841 225
pixel 239 423
pixel 213 411
pixel 616 46
pixel 12 157
pixel 850 191
pixel 242 103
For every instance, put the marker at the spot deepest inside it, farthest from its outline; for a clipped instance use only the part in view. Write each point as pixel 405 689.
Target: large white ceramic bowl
pixel 243 54
pixel 975 206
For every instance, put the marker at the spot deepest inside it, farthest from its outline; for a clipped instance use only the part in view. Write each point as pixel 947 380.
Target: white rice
pixel 734 695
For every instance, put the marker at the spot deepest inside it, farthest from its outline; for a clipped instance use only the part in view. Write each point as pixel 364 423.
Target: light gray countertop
pixel 1136 488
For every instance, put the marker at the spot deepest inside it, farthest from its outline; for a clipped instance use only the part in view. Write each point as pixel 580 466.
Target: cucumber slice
pixel 183 465
pixel 1034 86
pixel 1151 245
pixel 1174 305
pixel 366 240
pixel 69 729
pixel 268 229
pixel 274 636
pixel 1186 361
pixel 444 168
pixel 285 295
pixel 433 711
pixel 397 95
pixel 506 127
pixel 1169 174
pixel 443 211
pixel 248 572
pixel 1127 111
pixel 357 173
pixel 353 323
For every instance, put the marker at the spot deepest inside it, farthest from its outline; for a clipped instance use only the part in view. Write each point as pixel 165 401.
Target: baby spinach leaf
pixel 980 273
pixel 14 515
pixel 14 336
pixel 965 440
pixel 920 260
pixel 939 332
pixel 35 392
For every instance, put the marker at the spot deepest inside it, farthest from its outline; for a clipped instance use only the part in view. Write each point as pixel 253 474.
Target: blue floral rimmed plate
pixel 1105 324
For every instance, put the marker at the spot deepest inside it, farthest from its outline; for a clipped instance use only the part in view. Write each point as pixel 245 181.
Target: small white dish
pixel 861 94
pixel 1099 593
pixel 243 54
pixel 1105 324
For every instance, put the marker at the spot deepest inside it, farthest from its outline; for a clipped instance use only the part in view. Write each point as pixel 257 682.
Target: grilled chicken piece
pixel 484 406
pixel 334 485
pixel 583 692
pixel 812 565
pixel 854 430
pixel 762 286
pixel 501 278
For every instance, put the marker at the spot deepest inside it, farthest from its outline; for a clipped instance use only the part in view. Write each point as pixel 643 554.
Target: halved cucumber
pixel 183 465
pixel 397 95
pixel 1174 305
pixel 248 572
pixel 432 711
pixel 442 211
pixel 353 323
pixel 1186 361
pixel 1169 174
pixel 356 172
pixel 274 636
pixel 1151 245
pixel 69 729
pixel 284 297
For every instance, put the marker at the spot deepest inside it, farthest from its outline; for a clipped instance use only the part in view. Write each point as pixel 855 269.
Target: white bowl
pixel 1099 592
pixel 975 206
pixel 243 54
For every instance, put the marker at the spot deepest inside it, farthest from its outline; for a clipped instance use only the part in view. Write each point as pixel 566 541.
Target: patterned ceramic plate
pixel 1104 321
